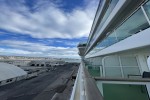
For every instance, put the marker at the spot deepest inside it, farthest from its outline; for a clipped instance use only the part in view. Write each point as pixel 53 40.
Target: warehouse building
pixel 10 73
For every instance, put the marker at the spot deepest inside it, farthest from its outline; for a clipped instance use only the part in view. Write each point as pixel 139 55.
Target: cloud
pixel 36 49
pixel 15 51
pixel 46 23
pixel 47 20
pixel 72 43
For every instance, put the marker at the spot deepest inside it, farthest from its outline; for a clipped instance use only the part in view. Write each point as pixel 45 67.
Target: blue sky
pixel 47 28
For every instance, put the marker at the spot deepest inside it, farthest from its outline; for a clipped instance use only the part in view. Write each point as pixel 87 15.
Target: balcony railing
pixel 85 87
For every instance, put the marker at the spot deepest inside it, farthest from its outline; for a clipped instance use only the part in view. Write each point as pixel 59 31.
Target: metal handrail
pixel 75 86
pixel 87 85
pixel 122 79
pixel 91 90
pixel 133 75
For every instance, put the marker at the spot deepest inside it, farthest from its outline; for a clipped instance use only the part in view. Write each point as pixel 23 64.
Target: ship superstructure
pixel 114 62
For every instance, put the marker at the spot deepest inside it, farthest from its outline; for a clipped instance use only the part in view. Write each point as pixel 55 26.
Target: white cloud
pixel 36 49
pixel 48 21
pixel 17 52
pixel 72 43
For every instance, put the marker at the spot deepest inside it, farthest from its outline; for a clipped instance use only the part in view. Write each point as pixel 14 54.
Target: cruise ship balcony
pixel 119 78
pixel 116 53
pixel 92 84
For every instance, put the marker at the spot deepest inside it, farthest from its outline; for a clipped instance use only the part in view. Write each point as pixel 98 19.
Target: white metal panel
pixel 8 71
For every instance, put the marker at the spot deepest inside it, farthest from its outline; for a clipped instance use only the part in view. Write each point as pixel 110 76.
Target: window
pixel 32 64
pixel 42 64
pixel 9 80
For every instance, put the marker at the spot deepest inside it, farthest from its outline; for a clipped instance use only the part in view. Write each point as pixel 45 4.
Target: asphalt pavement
pixel 42 87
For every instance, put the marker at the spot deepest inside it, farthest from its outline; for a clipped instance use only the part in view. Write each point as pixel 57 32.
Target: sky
pixel 45 28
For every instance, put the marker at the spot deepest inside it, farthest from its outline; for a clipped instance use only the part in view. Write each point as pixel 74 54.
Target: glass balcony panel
pixel 100 46
pixel 113 72
pixel 111 39
pixel 111 61
pixel 129 61
pixel 130 71
pixel 97 15
pixel 125 92
pixel 136 23
pixel 92 52
pixel 147 8
pixel 109 10
pixel 94 71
